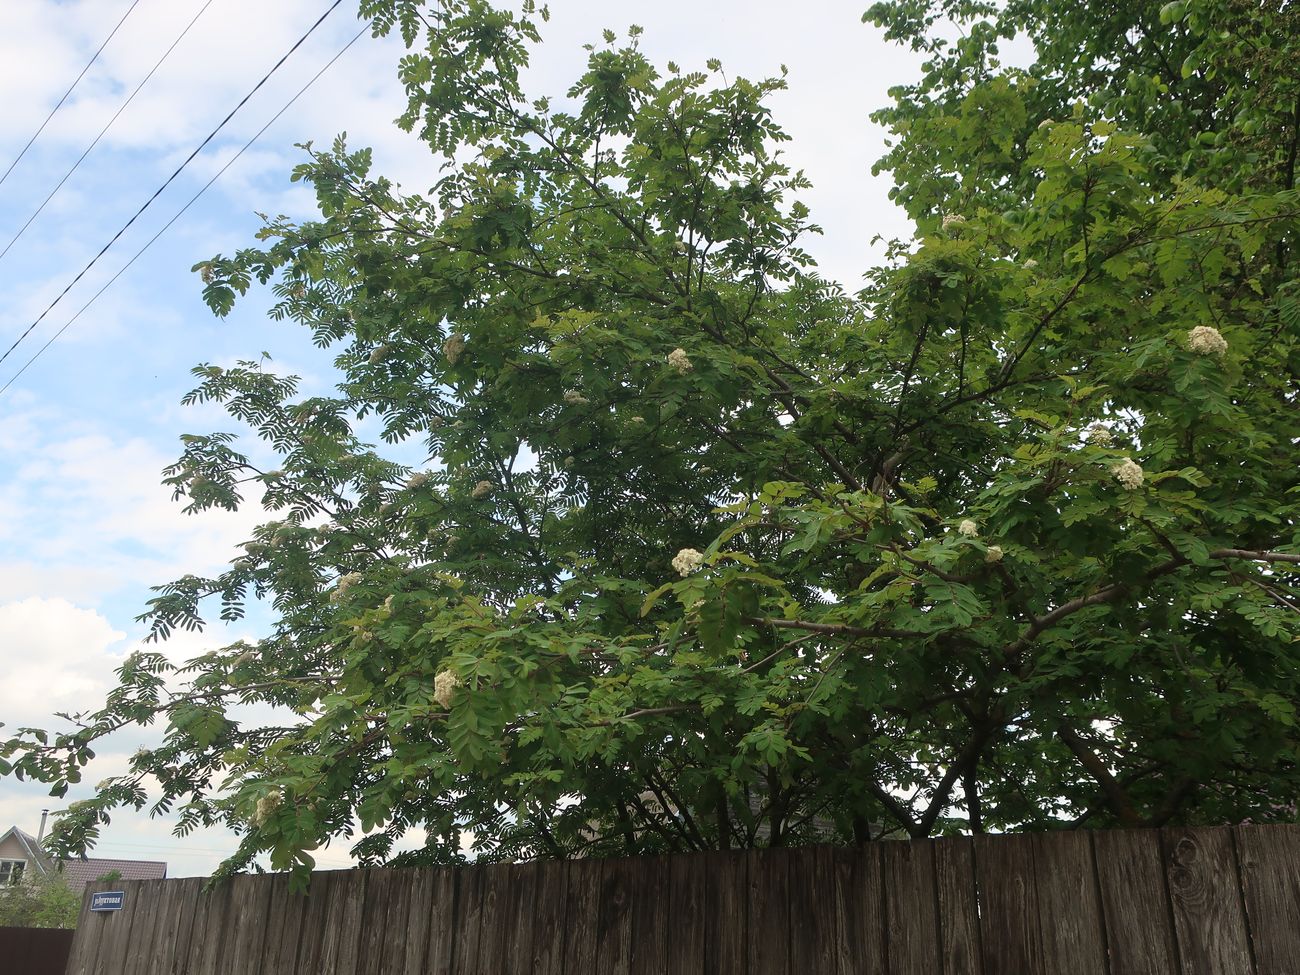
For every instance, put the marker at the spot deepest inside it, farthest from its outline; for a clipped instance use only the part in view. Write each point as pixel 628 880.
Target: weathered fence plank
pixel 495 915
pixel 549 920
pixel 959 935
pixel 769 912
pixel 175 924
pixel 284 927
pixel 1269 857
pixel 144 929
pixel 581 926
pixel 912 927
pixel 726 908
pixel 376 928
pixel 814 922
pixel 1136 903
pixel 650 918
pixel 1171 902
pixel 464 924
pixel 1069 904
pixel 859 909
pixel 1008 899
pixel 250 901
pixel 614 925
pixel 1209 917
pixel 436 902
pixel 687 892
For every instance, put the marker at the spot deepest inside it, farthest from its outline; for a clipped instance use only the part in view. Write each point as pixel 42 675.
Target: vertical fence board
pixel 1069 903
pixel 582 917
pixel 86 940
pixel 284 912
pixel 377 931
pixel 464 930
pixel 688 884
pixel 959 923
pixel 436 900
pixel 117 931
pixel 650 917
pixel 315 913
pixel 400 931
pixel 522 884
pixel 245 935
pixel 168 951
pixel 346 901
pixel 912 927
pixel 614 927
pixel 1209 918
pixel 208 933
pixel 549 918
pixel 144 929
pixel 769 912
pixel 496 915
pixel 1008 900
pixel 1269 857
pixel 726 913
pixel 1135 902
pixel 859 905
pixel 814 921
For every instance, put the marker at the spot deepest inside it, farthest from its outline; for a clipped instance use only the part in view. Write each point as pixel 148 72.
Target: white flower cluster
pixel 993 553
pixel 205 273
pixel 680 361
pixel 453 348
pixel 953 220
pixel 1098 435
pixel 687 561
pixel 377 354
pixel 444 687
pixel 1030 264
pixel 1206 340
pixel 417 480
pixel 968 528
pixel 267 805
pixel 1129 474
pixel 345 583
pixel 575 398
pixel 481 490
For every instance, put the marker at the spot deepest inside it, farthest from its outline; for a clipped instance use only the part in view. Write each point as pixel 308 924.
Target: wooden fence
pixel 34 951
pixel 1180 901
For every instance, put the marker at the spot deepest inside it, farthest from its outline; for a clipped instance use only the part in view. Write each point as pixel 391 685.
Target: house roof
pixel 31 846
pixel 78 873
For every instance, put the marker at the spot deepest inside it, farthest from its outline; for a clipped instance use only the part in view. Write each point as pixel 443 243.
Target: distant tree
pixel 708 552
pixel 39 901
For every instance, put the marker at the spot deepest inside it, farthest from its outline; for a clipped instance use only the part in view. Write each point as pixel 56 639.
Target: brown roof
pixel 78 873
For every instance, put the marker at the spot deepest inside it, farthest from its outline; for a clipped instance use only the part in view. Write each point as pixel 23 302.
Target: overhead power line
pixel 94 57
pixel 150 242
pixel 158 192
pixel 59 185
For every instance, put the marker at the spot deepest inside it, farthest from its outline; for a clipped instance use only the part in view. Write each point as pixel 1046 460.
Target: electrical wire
pixel 181 212
pixel 158 192
pixel 58 186
pixel 74 84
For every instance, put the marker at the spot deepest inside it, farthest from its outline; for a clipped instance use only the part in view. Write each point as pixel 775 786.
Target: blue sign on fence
pixel 107 900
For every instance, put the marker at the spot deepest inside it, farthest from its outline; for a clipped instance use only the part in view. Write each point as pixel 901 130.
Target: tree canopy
pixel 707 550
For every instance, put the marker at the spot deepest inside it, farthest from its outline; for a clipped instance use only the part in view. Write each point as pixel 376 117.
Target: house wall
pixel 11 848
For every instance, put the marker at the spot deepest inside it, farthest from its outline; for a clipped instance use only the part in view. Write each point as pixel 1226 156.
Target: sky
pixel 86 528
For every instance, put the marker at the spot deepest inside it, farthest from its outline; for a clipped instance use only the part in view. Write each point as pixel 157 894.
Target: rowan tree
pixel 709 552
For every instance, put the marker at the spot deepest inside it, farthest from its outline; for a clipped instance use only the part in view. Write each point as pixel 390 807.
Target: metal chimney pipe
pixel 40 833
